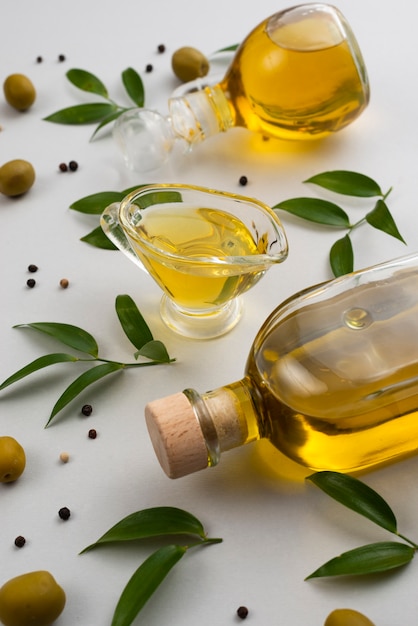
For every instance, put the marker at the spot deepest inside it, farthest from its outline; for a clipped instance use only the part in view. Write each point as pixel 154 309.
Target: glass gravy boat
pixel 203 247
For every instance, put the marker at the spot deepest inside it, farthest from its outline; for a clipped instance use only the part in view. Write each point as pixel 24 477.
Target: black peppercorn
pixel 32 268
pixel 161 48
pixel 39 59
pixel 63 167
pixel 242 612
pixel 92 433
pixel 31 282
pixel 87 410
pixel 20 541
pixel 73 165
pixel 64 513
pixel 149 68
pixel 61 58
pixel 243 181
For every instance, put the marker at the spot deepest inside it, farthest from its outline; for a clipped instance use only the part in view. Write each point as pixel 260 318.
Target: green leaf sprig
pixel 328 213
pixel 135 328
pixel 373 557
pixel 232 48
pixel 163 522
pixel 95 204
pixel 103 112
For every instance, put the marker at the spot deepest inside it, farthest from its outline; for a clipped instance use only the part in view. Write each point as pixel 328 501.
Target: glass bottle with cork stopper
pixel 331 381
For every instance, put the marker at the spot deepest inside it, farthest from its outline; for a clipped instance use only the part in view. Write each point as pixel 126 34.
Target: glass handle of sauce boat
pixel 111 226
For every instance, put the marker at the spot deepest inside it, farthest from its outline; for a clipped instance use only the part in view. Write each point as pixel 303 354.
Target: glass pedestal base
pixel 205 324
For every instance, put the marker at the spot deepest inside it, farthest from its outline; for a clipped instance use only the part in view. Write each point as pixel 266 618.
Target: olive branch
pixel 135 328
pixel 103 112
pixel 328 213
pixel 373 557
pixel 162 522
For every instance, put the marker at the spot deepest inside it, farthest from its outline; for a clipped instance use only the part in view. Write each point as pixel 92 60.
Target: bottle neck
pixel 200 114
pixel 227 417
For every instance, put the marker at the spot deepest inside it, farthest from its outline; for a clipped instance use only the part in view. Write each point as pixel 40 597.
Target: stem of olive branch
pixel 411 543
pixel 125 365
pixel 363 219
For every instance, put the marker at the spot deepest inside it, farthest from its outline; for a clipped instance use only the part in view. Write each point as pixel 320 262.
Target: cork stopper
pixel 176 435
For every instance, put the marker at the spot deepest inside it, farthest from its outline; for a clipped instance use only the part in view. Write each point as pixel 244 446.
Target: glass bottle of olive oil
pixel 298 75
pixel 331 381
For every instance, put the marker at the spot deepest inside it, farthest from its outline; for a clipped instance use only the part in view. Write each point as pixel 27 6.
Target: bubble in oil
pixel 357 318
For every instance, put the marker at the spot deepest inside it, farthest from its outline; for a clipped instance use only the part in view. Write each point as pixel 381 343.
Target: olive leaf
pixel 232 48
pixel 78 338
pixel 105 121
pixel 160 197
pixel 153 522
pixel 316 210
pixel 341 256
pixel 70 335
pixel 357 496
pixel 382 219
pixel 82 113
pixel 368 559
pixel 347 183
pixel 98 239
pixel 95 203
pixel 134 86
pixel 132 321
pixel 138 332
pixel 89 377
pixel 87 82
pixel 154 350
pixel 37 364
pixel 144 582
pixel 229 289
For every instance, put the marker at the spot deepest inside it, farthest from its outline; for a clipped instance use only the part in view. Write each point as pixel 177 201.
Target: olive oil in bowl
pixel 196 255
pixel 204 248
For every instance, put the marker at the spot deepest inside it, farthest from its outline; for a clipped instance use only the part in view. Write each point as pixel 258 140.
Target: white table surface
pixel 276 530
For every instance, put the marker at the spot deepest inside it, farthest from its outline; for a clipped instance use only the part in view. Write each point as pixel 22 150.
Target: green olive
pixel 16 177
pixel 32 599
pixel 19 91
pixel 189 63
pixel 347 617
pixel 12 459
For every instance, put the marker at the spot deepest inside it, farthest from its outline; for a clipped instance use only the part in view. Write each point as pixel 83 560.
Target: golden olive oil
pixel 196 254
pixel 343 394
pixel 296 80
